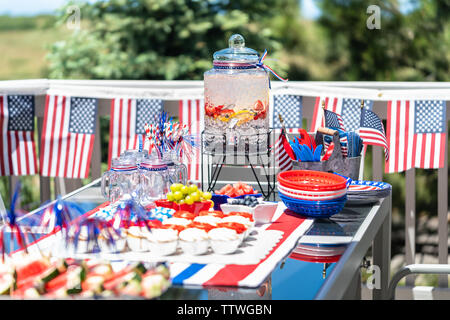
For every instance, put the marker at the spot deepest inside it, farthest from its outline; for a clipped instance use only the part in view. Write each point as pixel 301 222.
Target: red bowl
pixel 311 180
pixel 196 207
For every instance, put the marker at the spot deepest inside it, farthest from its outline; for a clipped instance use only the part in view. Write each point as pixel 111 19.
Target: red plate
pixel 311 180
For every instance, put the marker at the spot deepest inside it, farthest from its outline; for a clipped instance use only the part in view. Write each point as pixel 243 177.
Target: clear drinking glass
pixel 177 171
pixel 135 154
pixel 154 181
pixel 121 182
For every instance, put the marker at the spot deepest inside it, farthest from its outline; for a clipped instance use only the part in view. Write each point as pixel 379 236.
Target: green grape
pixel 185 190
pixel 195 196
pixel 207 195
pixel 188 200
pixel 176 187
pixel 178 195
pixel 170 196
pixel 192 188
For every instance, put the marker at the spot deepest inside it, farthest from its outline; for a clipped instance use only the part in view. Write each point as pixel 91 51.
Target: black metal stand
pixel 217 160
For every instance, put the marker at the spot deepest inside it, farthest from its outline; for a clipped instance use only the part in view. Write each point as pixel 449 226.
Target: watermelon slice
pixel 119 282
pixel 69 281
pixel 37 272
pixel 153 285
pixel 93 283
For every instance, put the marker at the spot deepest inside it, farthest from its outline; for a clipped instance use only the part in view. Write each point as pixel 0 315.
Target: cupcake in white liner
pixel 194 241
pixel 137 238
pixel 224 240
pixel 81 241
pixel 117 244
pixel 208 219
pixel 240 219
pixel 162 242
pixel 238 227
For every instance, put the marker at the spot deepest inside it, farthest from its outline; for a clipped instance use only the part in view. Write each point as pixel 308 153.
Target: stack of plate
pixel 312 193
pixel 365 192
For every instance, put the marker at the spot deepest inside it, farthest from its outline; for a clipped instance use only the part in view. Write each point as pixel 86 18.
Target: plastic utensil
pixel 308 153
pixel 313 141
pixel 318 153
pixel 304 137
pixel 297 151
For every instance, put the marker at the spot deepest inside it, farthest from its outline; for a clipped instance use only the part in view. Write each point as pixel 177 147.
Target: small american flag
pixel 333 120
pixel 68 136
pixel 372 132
pixel 192 113
pixel 416 134
pixel 128 118
pixel 348 108
pixel 282 158
pixel 17 147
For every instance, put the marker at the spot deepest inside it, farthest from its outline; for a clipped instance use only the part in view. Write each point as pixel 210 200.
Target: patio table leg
pixel 382 255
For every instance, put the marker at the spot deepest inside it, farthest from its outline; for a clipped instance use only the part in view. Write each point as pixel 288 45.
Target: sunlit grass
pixel 23 52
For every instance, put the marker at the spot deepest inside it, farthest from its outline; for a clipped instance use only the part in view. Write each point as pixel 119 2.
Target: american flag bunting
pixel 67 136
pixel 17 146
pixel 128 118
pixel 416 134
pixel 291 109
pixel 192 113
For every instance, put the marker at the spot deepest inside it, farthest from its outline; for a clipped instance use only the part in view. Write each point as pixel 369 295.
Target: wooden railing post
pixel 44 182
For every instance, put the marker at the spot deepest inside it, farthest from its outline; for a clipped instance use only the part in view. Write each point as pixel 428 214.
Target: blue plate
pixel 312 202
pixel 377 185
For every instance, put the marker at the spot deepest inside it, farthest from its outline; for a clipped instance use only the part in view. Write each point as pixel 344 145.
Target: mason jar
pixel 154 177
pixel 121 182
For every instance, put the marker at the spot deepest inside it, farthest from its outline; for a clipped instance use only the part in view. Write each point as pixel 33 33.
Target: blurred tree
pixel 413 46
pixel 158 39
pixel 303 43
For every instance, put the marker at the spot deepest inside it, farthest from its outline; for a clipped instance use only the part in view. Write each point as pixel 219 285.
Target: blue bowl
pixel 314 209
pixel 315 202
pixel 218 199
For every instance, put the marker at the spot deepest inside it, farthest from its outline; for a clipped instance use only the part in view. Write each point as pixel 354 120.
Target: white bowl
pixel 262 213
